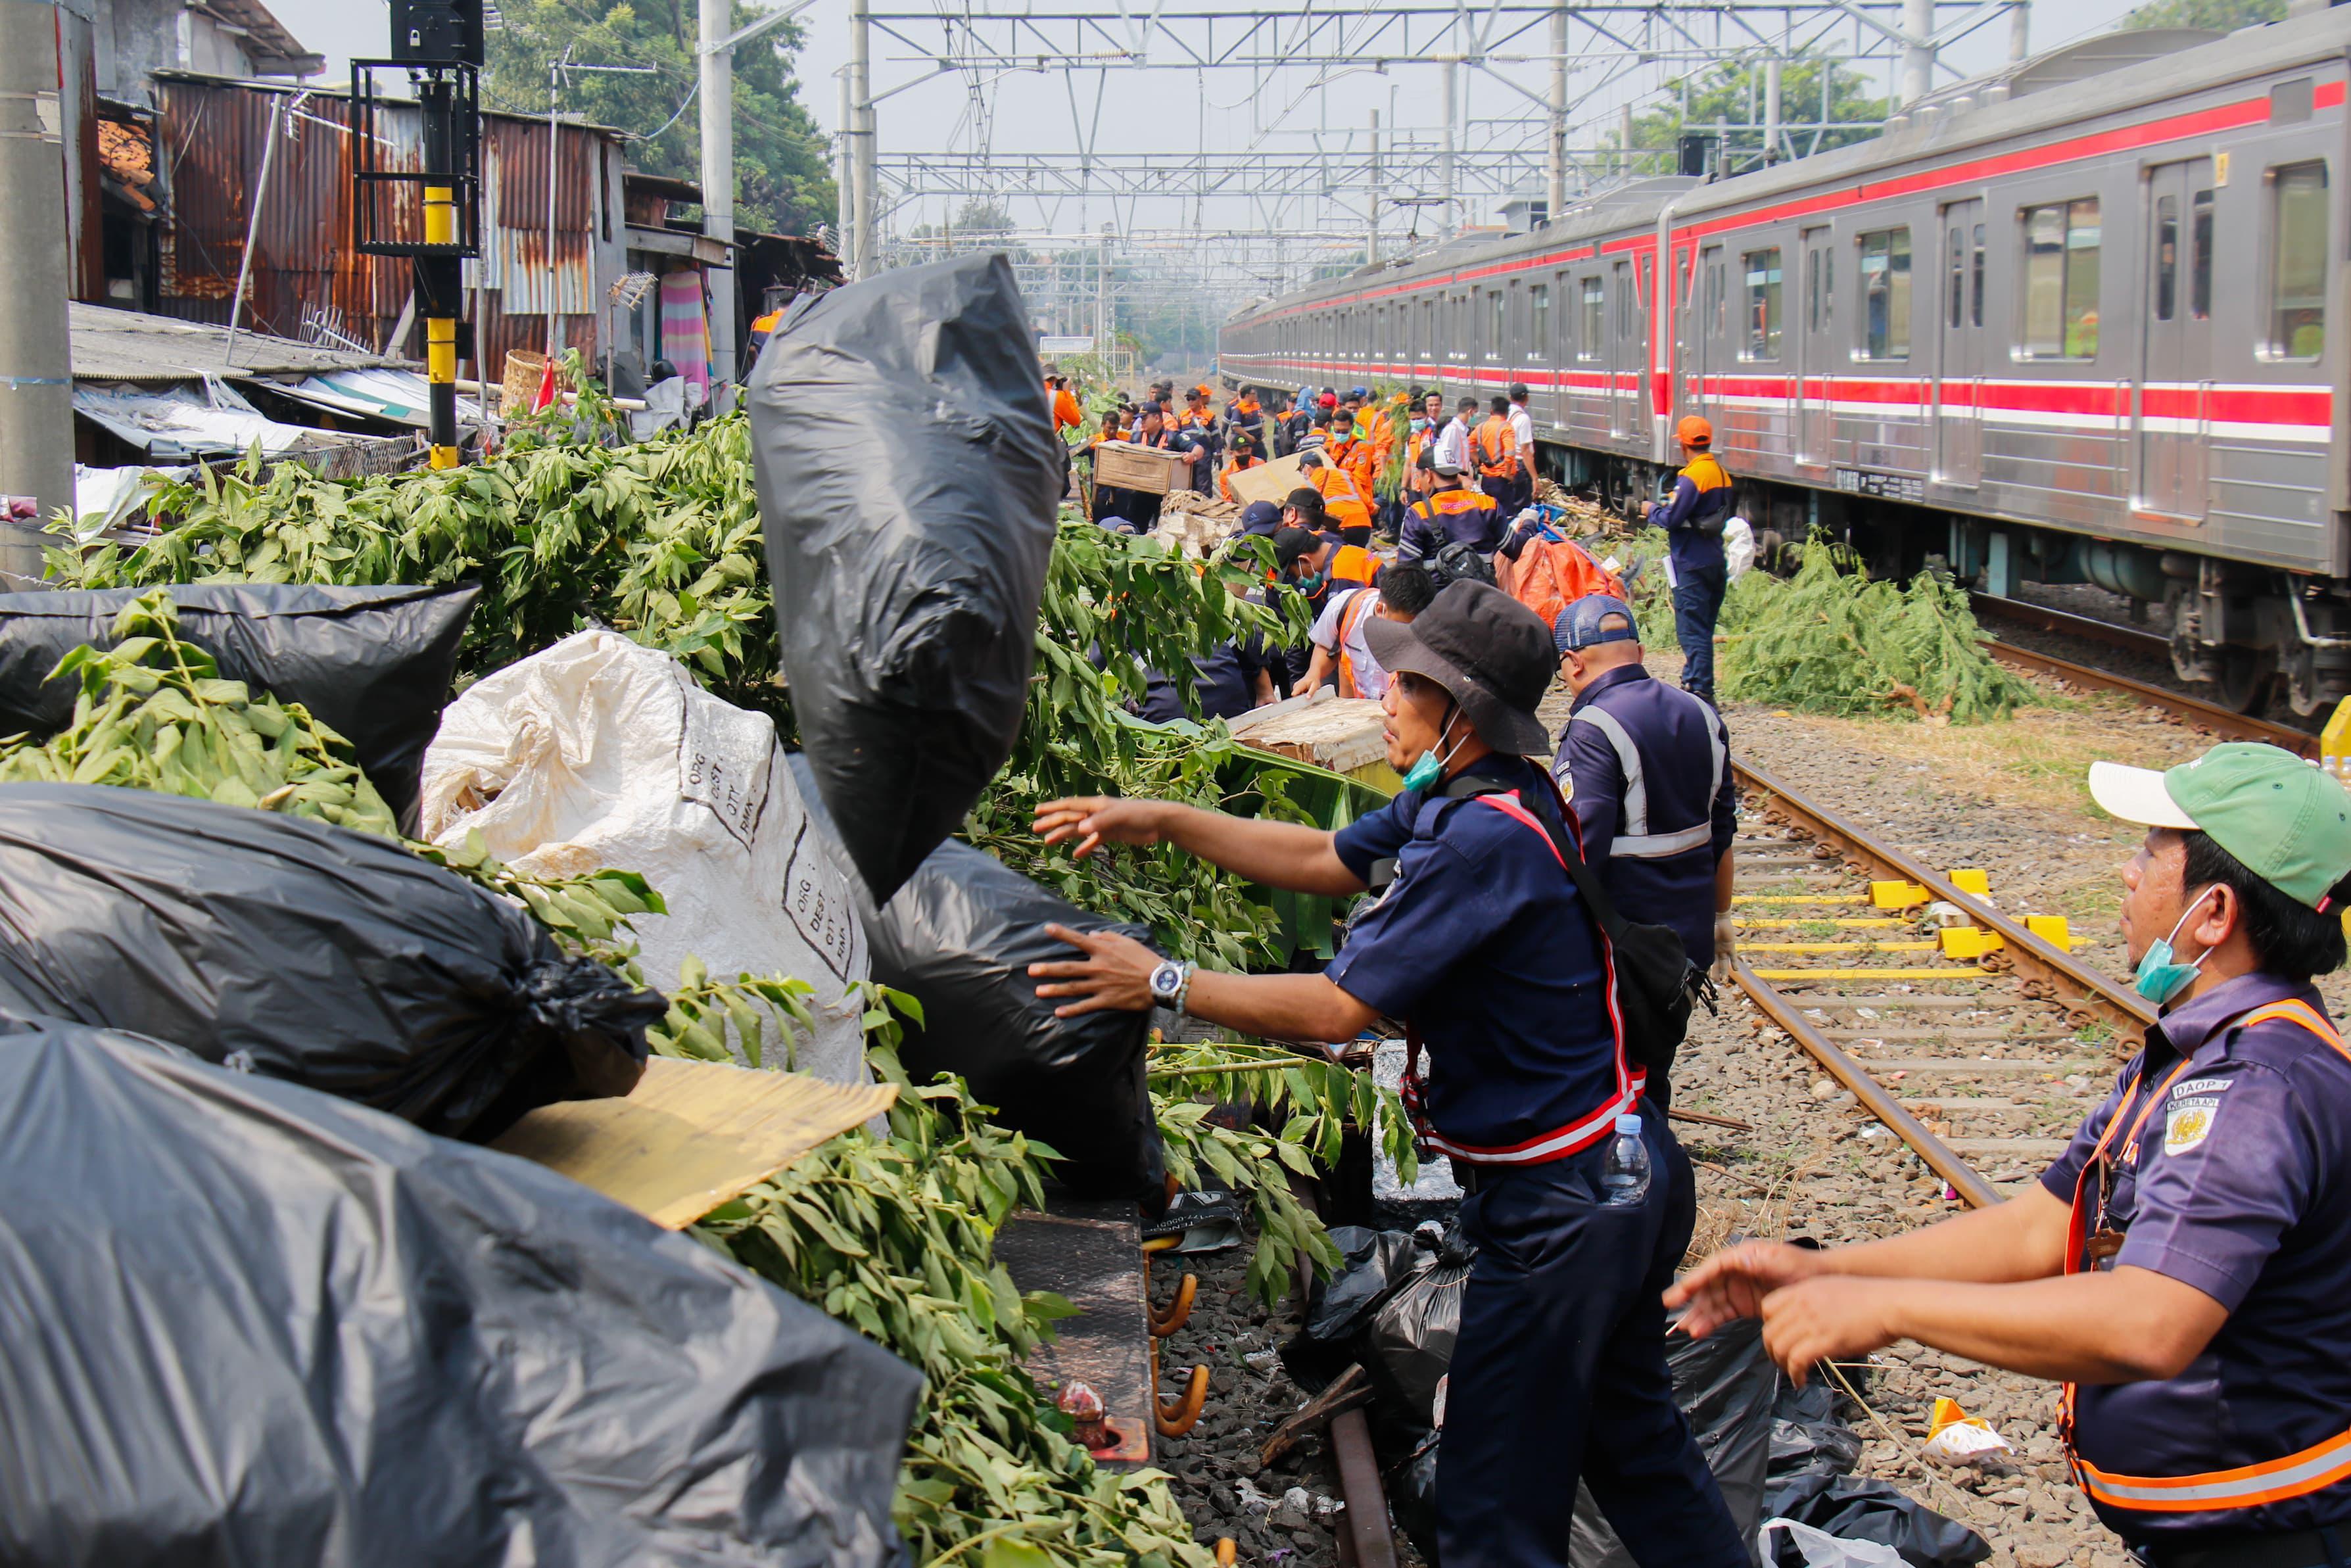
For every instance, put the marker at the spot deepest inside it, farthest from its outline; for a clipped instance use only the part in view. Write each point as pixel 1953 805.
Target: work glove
pixel 1726 949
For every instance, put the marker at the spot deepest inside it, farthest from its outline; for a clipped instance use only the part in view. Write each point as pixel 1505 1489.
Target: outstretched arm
pixel 1111 971
pixel 1277 855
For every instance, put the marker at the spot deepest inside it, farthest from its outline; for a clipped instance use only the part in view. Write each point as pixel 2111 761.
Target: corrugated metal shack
pixel 209 136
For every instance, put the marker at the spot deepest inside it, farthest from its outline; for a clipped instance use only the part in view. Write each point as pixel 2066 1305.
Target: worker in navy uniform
pixel 2185 1267
pixel 1647 768
pixel 1458 513
pixel 1696 566
pixel 1480 944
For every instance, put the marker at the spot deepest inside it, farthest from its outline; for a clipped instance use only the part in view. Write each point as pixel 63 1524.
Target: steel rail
pixel 2195 710
pixel 2067 623
pixel 1939 1156
pixel 2076 987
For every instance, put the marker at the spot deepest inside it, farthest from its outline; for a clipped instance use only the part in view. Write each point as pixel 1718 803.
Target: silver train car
pixel 2070 323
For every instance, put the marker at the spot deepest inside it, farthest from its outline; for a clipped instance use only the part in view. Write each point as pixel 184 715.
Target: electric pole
pixel 36 437
pixel 715 52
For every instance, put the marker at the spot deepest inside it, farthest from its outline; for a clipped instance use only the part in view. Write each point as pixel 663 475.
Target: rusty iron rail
pixel 2076 987
pixel 1939 1156
pixel 2220 720
pixel 2071 626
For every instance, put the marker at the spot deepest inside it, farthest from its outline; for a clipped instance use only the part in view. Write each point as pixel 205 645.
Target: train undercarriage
pixel 2254 634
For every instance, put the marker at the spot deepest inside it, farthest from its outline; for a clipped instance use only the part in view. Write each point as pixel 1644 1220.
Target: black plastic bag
pixel 1407 1346
pixel 908 478
pixel 1813 1448
pixel 333 960
pixel 1372 1265
pixel 248 1323
pixel 371 664
pixel 1853 1509
pixel 1725 1386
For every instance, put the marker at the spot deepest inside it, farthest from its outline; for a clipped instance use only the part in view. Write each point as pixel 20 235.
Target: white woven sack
pixel 600 753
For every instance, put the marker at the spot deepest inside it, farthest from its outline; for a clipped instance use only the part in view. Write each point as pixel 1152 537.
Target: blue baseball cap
pixel 1580 625
pixel 1260 518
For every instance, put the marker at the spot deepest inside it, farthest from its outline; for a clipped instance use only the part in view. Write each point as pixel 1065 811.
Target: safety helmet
pixel 1693 431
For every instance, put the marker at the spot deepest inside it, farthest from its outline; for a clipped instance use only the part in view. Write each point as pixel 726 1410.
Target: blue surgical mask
pixel 2159 978
pixel 1430 768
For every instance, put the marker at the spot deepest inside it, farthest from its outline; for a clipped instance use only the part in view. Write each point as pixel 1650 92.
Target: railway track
pixel 1979 1047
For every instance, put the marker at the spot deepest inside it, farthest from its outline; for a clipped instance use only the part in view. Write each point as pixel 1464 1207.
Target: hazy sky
pixel 1163 111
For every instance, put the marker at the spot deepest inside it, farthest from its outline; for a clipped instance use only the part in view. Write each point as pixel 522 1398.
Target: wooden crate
pixel 1124 466
pixel 1270 481
pixel 1344 735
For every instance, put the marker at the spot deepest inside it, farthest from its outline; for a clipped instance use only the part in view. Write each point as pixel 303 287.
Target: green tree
pixel 783 179
pixel 1733 93
pixel 2220 16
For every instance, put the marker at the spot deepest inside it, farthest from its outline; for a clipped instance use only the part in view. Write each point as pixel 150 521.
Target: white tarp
pixel 600 753
pixel 187 422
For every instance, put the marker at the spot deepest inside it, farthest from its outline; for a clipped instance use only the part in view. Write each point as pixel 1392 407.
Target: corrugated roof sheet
pixel 131 346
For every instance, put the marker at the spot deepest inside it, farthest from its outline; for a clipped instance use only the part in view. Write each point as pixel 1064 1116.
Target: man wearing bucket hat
pixel 2185 1268
pixel 1480 942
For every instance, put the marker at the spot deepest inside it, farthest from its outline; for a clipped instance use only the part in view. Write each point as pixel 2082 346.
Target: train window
pixel 1596 320
pixel 1956 309
pixel 1495 331
pixel 1539 322
pixel 1762 270
pixel 2061 281
pixel 2199 255
pixel 1885 295
pixel 2167 258
pixel 2298 261
pixel 1975 305
pixel 1820 289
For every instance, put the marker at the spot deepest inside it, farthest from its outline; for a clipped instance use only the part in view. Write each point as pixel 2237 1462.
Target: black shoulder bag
pixel 1657 985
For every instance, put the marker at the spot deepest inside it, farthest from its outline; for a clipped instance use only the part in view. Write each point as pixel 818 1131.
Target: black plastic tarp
pixel 371 664
pixel 247 1323
pixel 334 959
pixel 1854 1509
pixel 959 937
pixel 908 477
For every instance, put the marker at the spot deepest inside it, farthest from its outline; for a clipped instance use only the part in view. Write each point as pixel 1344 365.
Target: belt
pixel 2329 1546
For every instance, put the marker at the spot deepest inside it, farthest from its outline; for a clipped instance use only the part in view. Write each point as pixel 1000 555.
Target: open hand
pixel 1112 975
pixel 1096 820
pixel 1830 1317
pixel 1733 1283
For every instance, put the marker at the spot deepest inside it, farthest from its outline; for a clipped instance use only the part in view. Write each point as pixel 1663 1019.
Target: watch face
pixel 1165 980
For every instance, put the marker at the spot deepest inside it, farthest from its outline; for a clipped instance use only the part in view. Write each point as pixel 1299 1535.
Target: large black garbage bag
pixel 1853 1509
pixel 371 664
pixel 247 1323
pixel 1372 1265
pixel 334 959
pixel 959 936
pixel 908 477
pixel 1812 1447
pixel 1725 1386
pixel 1407 1346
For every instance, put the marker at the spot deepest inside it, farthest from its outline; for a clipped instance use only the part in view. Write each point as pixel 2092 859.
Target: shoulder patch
pixel 2188 1122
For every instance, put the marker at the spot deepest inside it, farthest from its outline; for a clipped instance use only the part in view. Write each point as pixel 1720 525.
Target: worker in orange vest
pixel 1496 447
pixel 1455 515
pixel 1067 414
pixel 1349 511
pixel 1244 457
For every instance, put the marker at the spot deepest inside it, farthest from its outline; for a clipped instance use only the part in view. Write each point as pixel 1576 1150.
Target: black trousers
pixel 1560 1371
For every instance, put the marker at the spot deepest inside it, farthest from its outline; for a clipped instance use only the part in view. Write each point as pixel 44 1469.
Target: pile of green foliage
pixel 1830 640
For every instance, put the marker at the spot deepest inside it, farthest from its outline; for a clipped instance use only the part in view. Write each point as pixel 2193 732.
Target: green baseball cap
pixel 2284 819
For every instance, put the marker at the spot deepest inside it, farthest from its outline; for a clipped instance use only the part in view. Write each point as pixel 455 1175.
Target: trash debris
pixel 1956 1438
pixel 602 753
pixel 1853 1510
pixel 1819 1549
pixel 250 1322
pixel 908 476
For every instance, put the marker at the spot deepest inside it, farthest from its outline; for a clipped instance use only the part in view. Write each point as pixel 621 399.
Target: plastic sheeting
pixel 371 664
pixel 908 479
pixel 294 950
pixel 249 1323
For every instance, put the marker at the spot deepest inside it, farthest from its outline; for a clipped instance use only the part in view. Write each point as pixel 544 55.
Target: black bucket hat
pixel 1491 653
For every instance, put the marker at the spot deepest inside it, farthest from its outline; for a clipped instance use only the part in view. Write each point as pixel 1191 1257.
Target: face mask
pixel 1310 583
pixel 1431 766
pixel 2158 977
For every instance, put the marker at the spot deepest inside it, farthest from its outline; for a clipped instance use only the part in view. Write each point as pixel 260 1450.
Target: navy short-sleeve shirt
pixel 1482 946
pixel 2238 1184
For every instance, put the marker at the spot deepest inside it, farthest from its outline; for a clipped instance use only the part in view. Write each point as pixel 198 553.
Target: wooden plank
pixel 691 1134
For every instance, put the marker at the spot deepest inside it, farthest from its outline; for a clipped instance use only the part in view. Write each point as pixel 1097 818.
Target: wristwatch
pixel 1171 983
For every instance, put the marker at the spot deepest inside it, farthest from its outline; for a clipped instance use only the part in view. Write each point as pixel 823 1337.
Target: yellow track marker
pixel 1970 942
pixel 1897 895
pixel 1834 972
pixel 1968 879
pixel 2052 930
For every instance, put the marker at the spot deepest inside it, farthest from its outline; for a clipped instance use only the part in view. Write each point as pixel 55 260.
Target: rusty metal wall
pixel 210 137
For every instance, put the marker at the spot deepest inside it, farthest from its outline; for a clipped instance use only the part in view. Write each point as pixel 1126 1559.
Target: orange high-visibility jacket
pixel 1497 446
pixel 1342 502
pixel 1236 464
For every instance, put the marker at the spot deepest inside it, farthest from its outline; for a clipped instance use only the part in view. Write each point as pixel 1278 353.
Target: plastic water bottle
pixel 1625 1178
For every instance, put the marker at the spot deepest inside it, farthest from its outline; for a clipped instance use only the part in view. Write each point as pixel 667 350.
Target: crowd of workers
pixel 2181 1270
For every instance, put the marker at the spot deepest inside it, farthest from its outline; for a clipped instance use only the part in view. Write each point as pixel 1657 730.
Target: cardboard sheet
pixel 1269 481
pixel 691 1134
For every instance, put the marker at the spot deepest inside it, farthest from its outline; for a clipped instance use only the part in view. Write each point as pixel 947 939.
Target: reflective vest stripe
pixel 2314 1468
pixel 1637 841
pixel 1586 1130
pixel 1350 613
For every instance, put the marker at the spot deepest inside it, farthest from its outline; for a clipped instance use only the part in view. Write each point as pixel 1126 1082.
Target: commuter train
pixel 2074 322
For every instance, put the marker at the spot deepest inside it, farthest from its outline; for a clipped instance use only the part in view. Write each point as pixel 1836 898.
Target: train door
pixel 2174 378
pixel 1816 351
pixel 1960 361
pixel 1624 354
